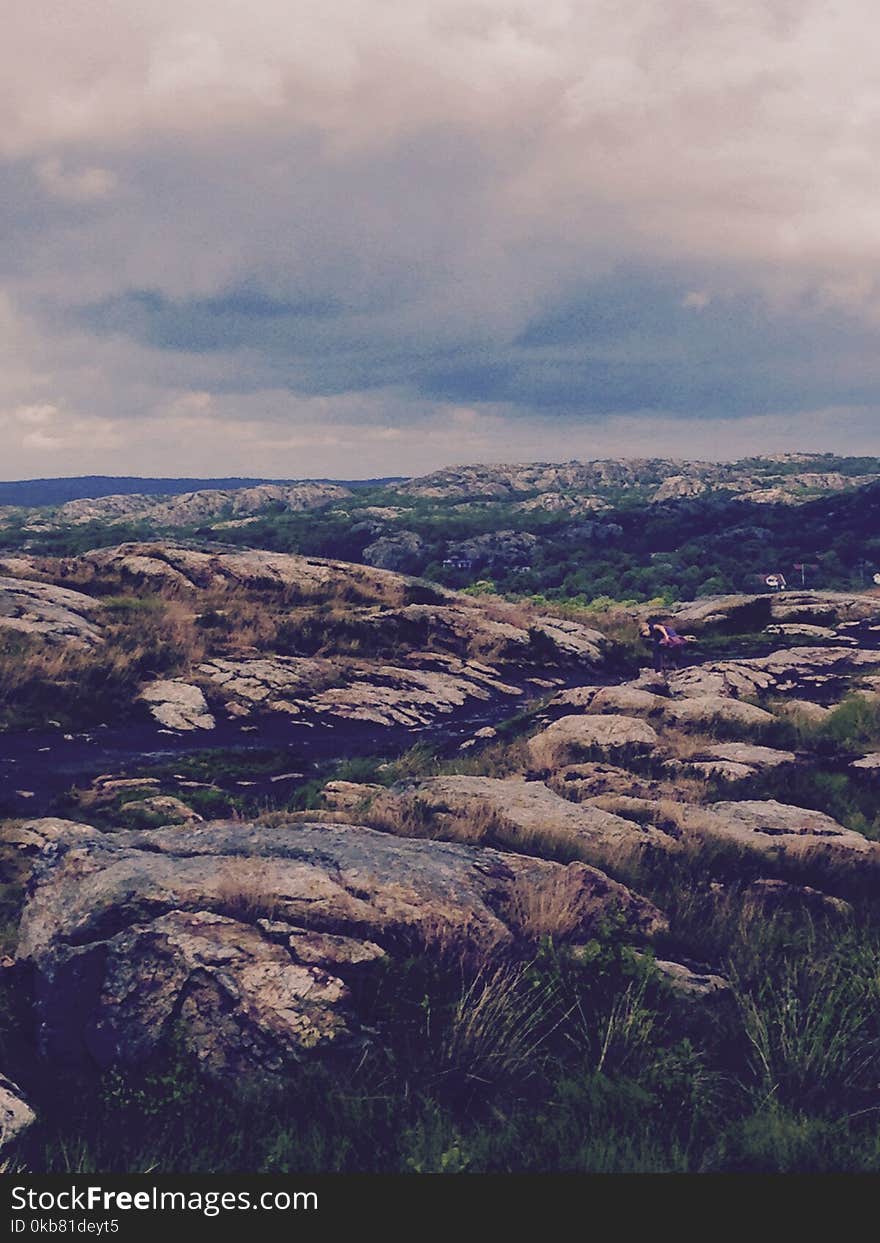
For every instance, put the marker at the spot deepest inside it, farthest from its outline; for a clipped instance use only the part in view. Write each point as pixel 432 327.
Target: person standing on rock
pixel 666 643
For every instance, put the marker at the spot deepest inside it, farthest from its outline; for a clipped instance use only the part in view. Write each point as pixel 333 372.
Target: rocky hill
pixel 624 529
pixel 374 874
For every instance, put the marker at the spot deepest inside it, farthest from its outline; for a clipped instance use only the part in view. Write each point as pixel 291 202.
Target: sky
pixel 358 238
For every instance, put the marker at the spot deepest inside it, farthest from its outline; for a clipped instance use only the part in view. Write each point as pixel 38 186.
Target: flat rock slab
pixel 706 709
pixel 779 671
pixel 803 630
pixel 780 829
pixel 573 737
pixel 735 760
pixel 868 763
pixel 242 933
pixel 177 705
pixel 530 807
pixel 428 686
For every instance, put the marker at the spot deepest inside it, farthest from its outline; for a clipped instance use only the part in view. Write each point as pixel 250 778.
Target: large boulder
pixel 241 935
pixel 572 640
pixel 54 614
pixel 575 737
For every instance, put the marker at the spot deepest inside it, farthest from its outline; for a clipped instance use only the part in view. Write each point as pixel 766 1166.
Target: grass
pixel 476 824
pixel 245 894
pixel 546 907
pixel 533 1062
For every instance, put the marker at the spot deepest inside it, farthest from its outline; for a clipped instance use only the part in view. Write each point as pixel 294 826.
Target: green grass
pixel 542 1063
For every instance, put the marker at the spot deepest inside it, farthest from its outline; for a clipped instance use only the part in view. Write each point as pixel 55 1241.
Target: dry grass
pixel 244 892
pixel 551 906
pixel 475 824
pixel 672 816
pixel 499 759
pixel 684 745
pixel 518 614
pixel 456 940
pixel 410 816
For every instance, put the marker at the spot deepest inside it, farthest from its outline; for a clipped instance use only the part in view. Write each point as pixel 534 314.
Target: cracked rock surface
pixel 242 934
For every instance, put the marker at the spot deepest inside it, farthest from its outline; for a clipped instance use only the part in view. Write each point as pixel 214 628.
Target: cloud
pixel 574 212
pixel 78 185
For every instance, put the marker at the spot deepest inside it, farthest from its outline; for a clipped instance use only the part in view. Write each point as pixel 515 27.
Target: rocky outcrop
pixel 404 552
pixel 579 782
pixel 627 699
pixel 779 829
pixel 497 548
pixel 825 608
pixel 55 614
pixel 177 705
pixel 191 508
pixel 15 1113
pixel 560 503
pixel 527 812
pixel 110 509
pixel 793 669
pixel 736 761
pixel 239 936
pixel 705 710
pixel 506 480
pixel 572 737
pixel 302 578
pixel 678 486
pixel 346 690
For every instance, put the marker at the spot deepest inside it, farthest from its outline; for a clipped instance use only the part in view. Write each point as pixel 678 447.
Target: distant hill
pixel 36 492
